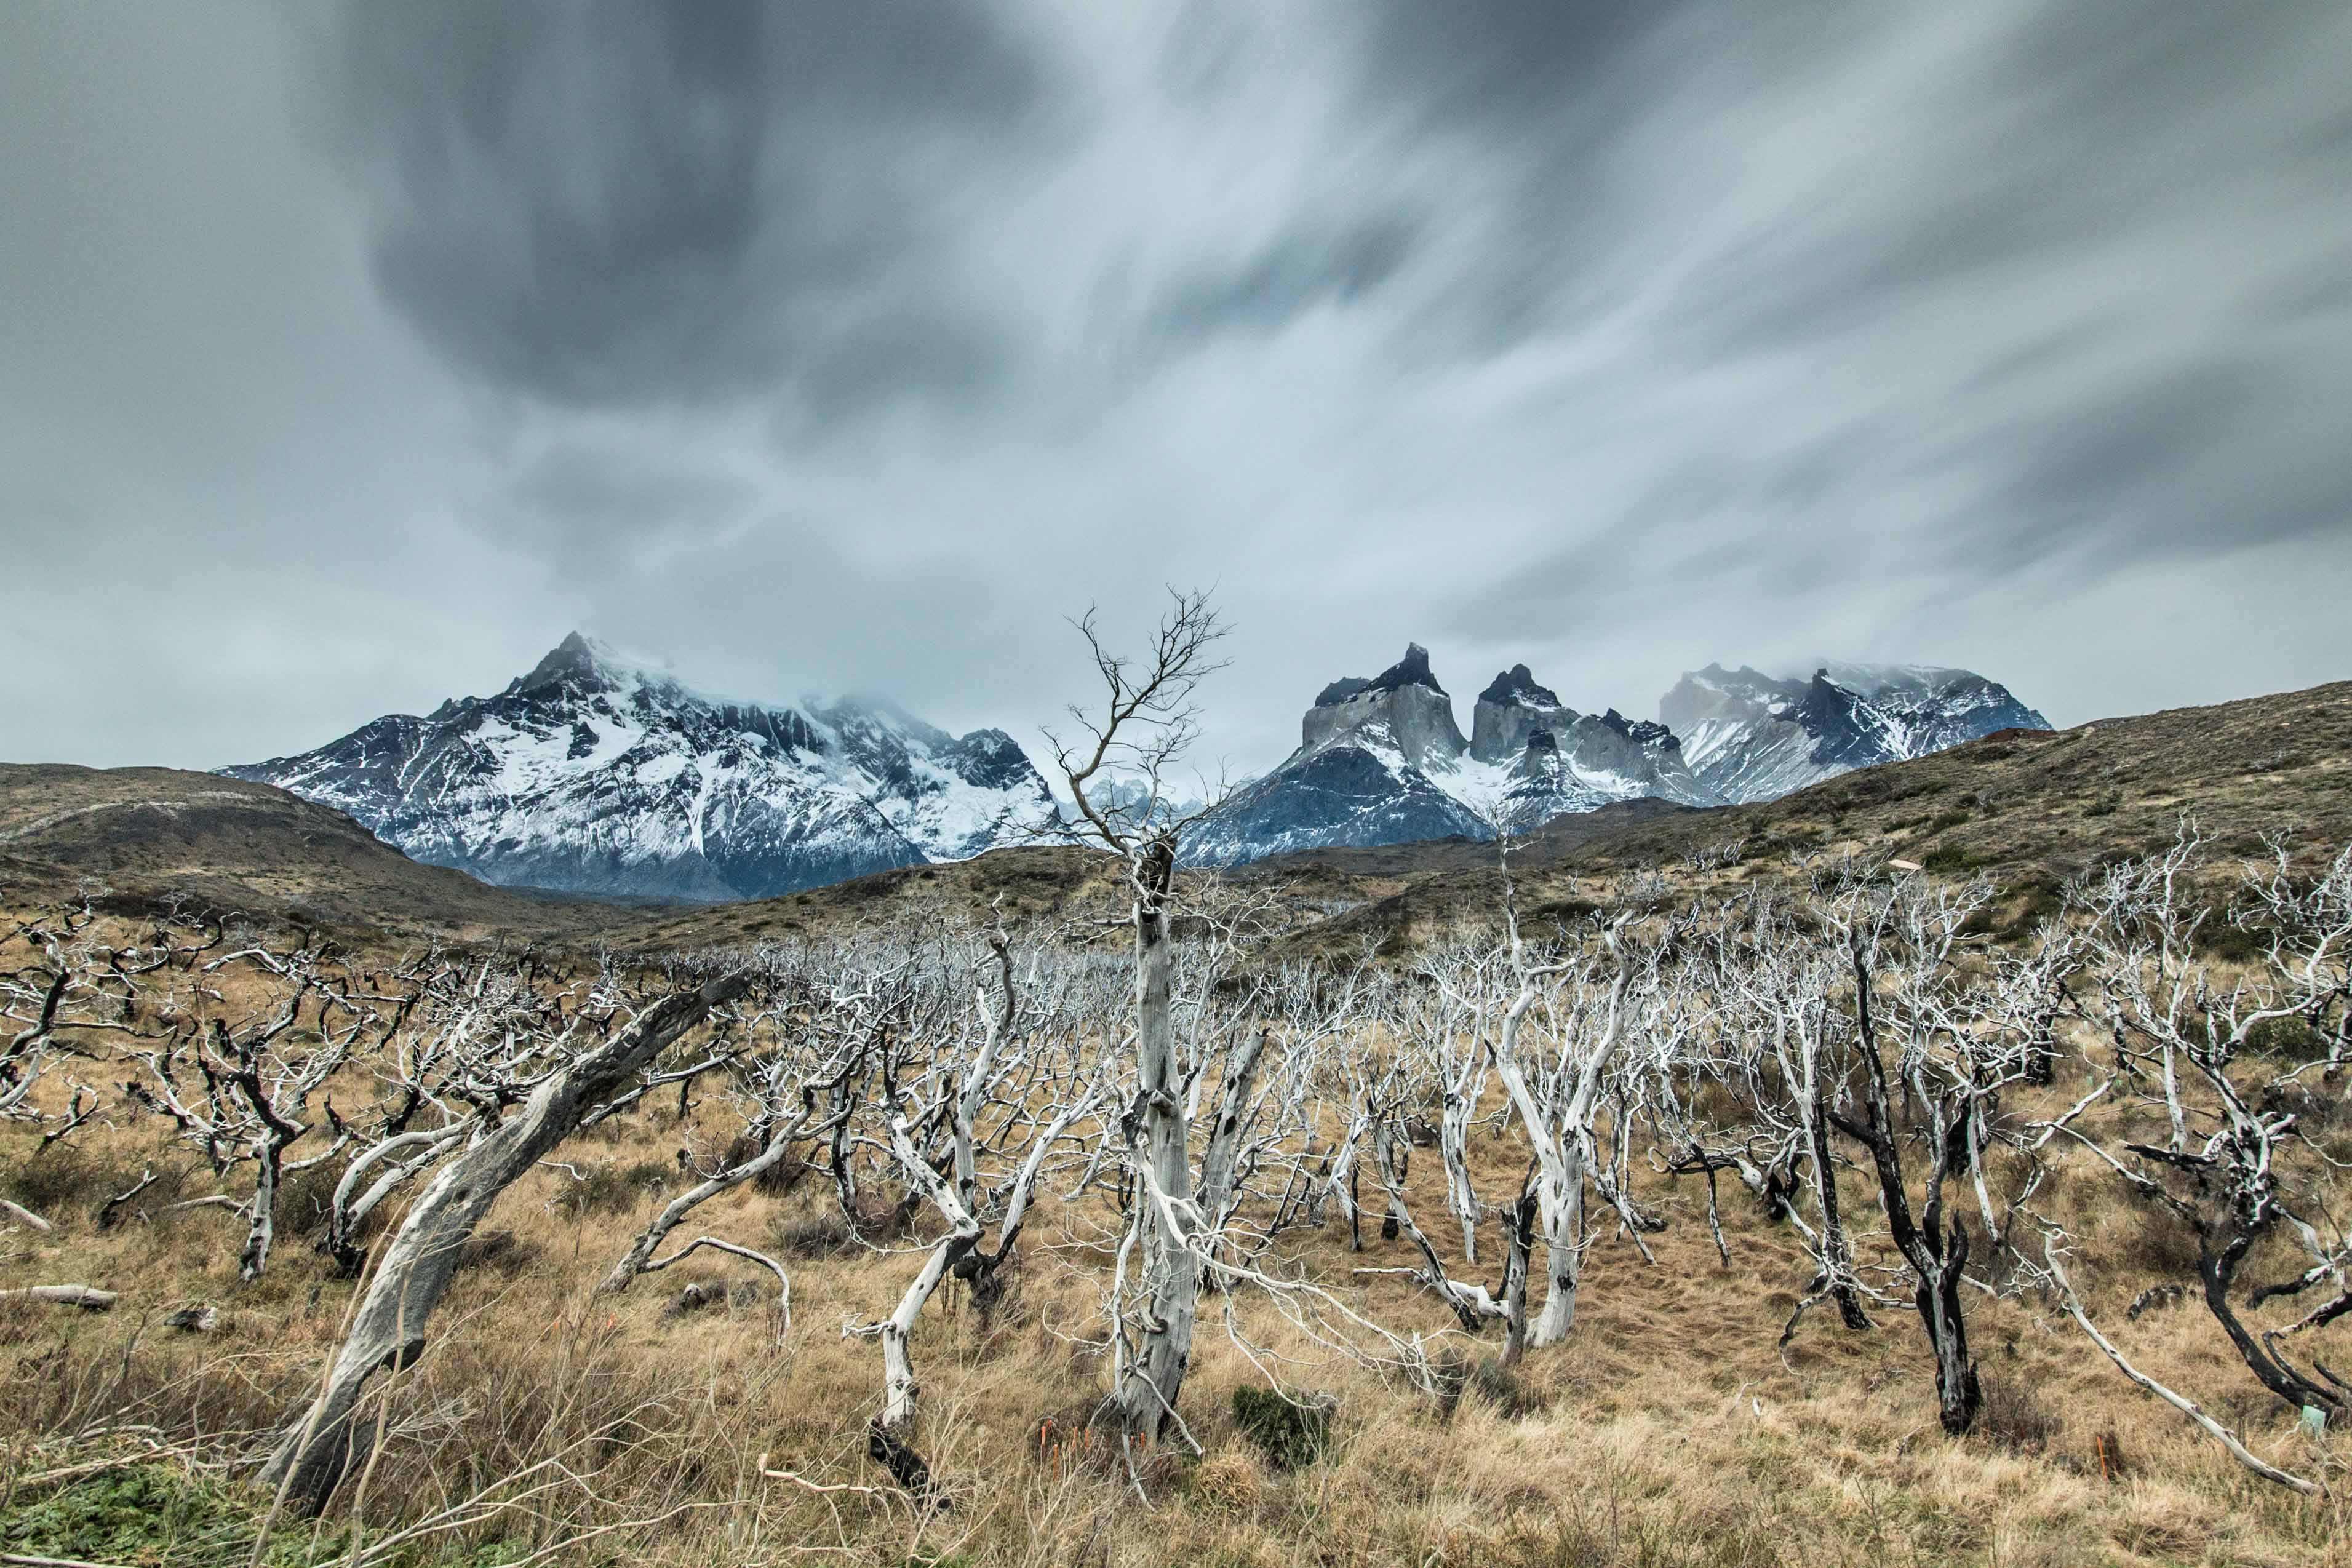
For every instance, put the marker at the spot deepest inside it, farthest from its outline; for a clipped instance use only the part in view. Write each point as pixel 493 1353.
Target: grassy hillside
pixel 140 833
pixel 2034 805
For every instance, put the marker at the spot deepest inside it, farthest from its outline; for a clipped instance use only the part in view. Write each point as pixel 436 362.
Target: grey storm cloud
pixel 357 351
pixel 620 203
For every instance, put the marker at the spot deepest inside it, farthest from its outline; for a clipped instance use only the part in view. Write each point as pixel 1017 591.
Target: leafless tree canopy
pixel 1194 1097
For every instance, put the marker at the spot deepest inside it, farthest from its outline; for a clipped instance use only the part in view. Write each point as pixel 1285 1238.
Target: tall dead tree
pixel 1558 1121
pixel 1143 727
pixel 962 1197
pixel 1776 982
pixel 1955 1054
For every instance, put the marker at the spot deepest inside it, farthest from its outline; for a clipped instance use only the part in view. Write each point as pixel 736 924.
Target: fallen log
pixel 87 1297
pixel 25 1216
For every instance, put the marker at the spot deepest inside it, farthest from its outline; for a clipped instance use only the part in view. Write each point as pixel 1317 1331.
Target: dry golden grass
pixel 1669 1430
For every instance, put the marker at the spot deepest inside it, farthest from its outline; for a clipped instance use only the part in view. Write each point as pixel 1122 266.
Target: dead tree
pixel 388 1326
pixel 1474 1305
pixel 1559 1121
pixel 1778 982
pixel 1145 724
pixel 1451 1017
pixel 1953 1074
pixel 779 1096
pixel 79 990
pixel 958 1252
pixel 238 1094
pixel 2234 1166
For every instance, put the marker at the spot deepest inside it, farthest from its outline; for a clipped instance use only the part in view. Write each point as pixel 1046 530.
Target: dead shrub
pixel 813 1236
pixel 68 1179
pixel 499 1252
pixel 2014 1416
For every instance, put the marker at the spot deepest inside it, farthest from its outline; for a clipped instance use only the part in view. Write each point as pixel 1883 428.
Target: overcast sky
pixel 351 355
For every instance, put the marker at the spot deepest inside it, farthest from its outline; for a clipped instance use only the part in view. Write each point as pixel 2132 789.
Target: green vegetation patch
pixel 158 1516
pixel 1950 859
pixel 152 1516
pixel 1291 1436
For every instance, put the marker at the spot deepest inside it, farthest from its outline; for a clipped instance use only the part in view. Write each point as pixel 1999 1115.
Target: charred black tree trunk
pixel 1519 1238
pixel 1837 1252
pixel 1936 1255
pixel 2217 1268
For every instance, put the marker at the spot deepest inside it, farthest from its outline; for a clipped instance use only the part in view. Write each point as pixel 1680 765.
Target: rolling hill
pixel 142 833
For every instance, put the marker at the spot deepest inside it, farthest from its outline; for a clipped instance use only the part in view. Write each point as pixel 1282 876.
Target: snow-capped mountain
pixel 596 775
pixel 1748 736
pixel 1552 759
pixel 1381 761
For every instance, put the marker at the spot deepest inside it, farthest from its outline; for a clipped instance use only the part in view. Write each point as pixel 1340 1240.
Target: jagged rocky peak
pixel 1413 669
pixel 1518 685
pixel 580 663
pixel 1381 761
pixel 1401 710
pixel 1511 712
pixel 1642 732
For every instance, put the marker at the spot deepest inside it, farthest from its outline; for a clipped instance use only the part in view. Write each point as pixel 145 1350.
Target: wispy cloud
pixel 358 352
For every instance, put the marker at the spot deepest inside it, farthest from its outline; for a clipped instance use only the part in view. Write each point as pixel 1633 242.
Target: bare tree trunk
pixel 388 1330
pixel 1562 1148
pixel 1174 1268
pixel 1453 1146
pixel 88 1297
pixel 1519 1224
pixel 346 1215
pixel 1563 1264
pixel 1837 1251
pixel 1938 1253
pixel 1219 1160
pixel 264 1228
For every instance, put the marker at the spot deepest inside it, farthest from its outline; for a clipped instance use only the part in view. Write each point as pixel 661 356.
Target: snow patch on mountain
pixel 1380 760
pixel 598 773
pixel 1748 736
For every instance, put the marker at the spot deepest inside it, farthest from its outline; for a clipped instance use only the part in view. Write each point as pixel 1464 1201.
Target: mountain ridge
pixel 596 774
pixel 1751 737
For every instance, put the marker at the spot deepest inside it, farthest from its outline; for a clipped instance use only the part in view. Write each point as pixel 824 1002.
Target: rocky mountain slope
pixel 1381 761
pixel 596 775
pixel 1748 736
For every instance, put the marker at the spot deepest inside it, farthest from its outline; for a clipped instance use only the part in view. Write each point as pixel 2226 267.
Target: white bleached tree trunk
pixel 388 1328
pixel 1562 1139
